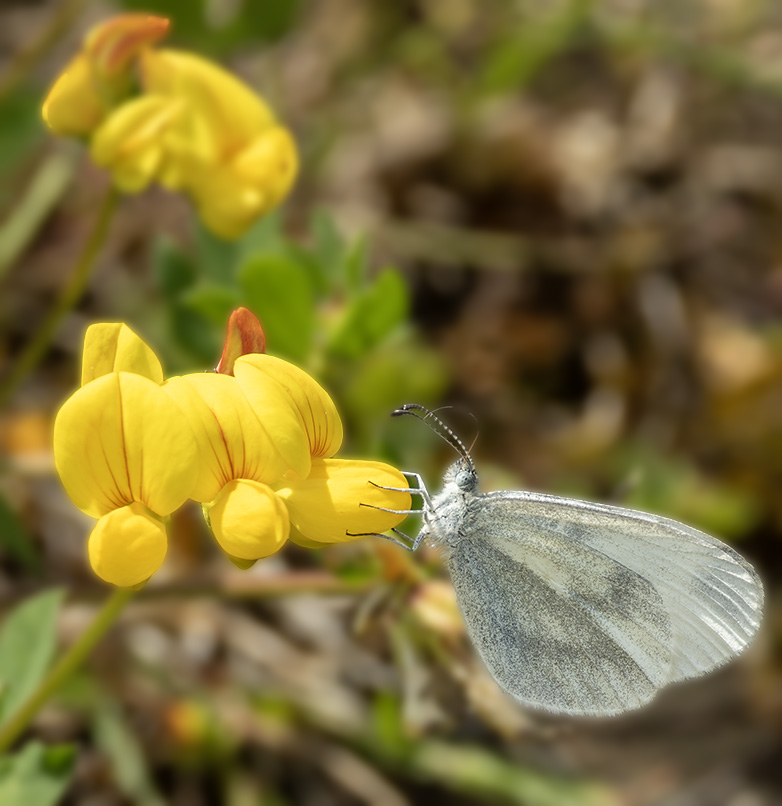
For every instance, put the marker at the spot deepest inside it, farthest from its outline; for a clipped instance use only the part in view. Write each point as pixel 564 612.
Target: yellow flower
pixel 265 436
pixel 255 448
pixel 125 454
pixel 253 429
pixel 225 148
pixel 172 117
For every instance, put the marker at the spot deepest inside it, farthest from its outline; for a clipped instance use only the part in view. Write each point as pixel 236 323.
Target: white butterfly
pixel 583 608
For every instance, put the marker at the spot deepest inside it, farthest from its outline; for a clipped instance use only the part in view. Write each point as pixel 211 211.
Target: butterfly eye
pixel 465 480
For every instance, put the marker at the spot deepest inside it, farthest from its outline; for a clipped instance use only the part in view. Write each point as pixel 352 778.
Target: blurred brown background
pixel 585 202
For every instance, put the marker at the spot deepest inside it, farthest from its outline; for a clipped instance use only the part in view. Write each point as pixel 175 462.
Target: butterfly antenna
pixel 438 426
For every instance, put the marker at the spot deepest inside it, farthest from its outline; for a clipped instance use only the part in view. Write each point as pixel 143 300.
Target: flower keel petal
pixel 248 520
pixel 339 496
pixel 127 546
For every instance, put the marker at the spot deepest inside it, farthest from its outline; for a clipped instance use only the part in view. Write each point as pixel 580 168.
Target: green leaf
pixel 217 258
pixel 174 269
pixel 371 316
pixel 328 247
pixel 356 262
pixel 265 235
pixel 213 302
pixel 195 334
pixel 32 206
pixel 129 764
pixel 279 291
pixel 28 641
pixel 21 132
pixel 36 774
pixel 401 371
pixel 15 540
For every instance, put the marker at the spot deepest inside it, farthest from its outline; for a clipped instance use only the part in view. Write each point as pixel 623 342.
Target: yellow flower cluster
pixel 256 447
pixel 167 116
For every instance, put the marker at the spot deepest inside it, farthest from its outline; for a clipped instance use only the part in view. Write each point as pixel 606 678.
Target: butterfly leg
pixel 403 540
pixel 419 490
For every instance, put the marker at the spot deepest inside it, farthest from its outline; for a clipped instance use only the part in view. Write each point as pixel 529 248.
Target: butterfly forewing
pixel 559 625
pixel 712 595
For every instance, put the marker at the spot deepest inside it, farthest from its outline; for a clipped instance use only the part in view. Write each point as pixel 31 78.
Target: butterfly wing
pixel 713 596
pixel 589 609
pixel 560 625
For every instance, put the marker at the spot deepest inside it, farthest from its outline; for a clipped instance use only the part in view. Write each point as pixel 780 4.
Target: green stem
pixel 65 667
pixel 69 296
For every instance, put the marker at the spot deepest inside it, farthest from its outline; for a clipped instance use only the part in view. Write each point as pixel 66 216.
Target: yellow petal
pixel 234 440
pixel 227 206
pixel 74 105
pixel 131 142
pixel 114 347
pixel 127 546
pixel 249 520
pixel 231 196
pixel 328 503
pixel 121 438
pixel 268 163
pixel 231 112
pixel 278 413
pixel 257 373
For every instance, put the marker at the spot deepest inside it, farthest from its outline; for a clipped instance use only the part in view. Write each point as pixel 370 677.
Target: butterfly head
pixel 462 475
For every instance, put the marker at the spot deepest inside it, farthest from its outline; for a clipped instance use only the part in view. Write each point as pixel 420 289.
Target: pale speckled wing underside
pixel 590 609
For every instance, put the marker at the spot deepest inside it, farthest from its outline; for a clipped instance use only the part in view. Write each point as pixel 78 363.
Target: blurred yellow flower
pixel 125 454
pixel 172 117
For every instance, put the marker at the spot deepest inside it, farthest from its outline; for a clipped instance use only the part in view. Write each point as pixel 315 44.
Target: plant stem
pixel 65 667
pixel 69 296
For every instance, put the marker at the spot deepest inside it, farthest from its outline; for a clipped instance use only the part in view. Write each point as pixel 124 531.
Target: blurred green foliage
pixel 117 740
pixel 217 28
pixel 16 541
pixel 27 645
pixel 37 774
pixel 18 141
pixel 320 306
